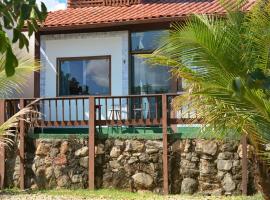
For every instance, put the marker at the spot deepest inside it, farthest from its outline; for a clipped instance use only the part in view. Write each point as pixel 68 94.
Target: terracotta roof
pixel 109 15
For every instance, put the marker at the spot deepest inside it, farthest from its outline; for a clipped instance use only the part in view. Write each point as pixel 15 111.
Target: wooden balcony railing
pixel 74 111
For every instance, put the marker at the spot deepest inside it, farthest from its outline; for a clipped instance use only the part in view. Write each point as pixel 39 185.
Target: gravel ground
pixel 49 197
pixel 42 197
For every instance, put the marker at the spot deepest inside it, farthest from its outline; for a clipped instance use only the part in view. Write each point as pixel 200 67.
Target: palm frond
pixel 14 84
pixel 216 57
pixel 10 128
pixel 9 86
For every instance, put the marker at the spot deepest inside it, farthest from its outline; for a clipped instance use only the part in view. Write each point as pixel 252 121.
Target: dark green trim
pixel 103 130
pixel 57 136
pixel 123 130
pixel 116 132
pixel 149 133
pixel 143 136
pixel 61 130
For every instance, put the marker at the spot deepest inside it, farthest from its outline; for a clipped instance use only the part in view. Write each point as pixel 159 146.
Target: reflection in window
pixel 85 76
pixel 147 41
pixel 149 79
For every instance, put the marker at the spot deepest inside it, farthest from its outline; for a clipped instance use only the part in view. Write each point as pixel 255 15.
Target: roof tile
pixel 152 10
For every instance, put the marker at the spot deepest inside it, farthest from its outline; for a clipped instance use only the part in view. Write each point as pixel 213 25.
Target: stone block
pixel 64 147
pixel 82 152
pixel 84 162
pixel 134 145
pixel 143 180
pixel 224 165
pixel 43 149
pixel 115 152
pixel 63 181
pixel 228 184
pixel 189 186
pixel 208 147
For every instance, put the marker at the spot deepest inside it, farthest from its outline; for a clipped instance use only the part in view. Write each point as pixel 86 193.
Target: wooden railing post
pixel 244 165
pixel 91 142
pixel 2 148
pixel 22 146
pixel 165 144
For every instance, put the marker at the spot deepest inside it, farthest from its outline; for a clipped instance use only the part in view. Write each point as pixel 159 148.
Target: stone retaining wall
pixel 208 167
pixel 195 166
pixel 133 165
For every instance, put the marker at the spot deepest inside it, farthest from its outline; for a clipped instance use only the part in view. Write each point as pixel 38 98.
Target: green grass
pixel 123 195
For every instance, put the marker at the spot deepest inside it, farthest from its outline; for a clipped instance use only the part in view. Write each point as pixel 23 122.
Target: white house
pixel 93 48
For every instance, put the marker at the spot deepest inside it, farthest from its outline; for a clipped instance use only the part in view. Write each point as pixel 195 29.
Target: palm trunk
pixel 263 178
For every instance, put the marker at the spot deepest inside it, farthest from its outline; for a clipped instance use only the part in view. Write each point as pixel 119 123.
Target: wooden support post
pixel 244 165
pixel 165 144
pixel 21 147
pixel 2 148
pixel 2 166
pixel 91 143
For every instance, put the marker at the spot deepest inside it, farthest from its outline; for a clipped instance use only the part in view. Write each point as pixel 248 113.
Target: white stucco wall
pixel 114 44
pixel 28 89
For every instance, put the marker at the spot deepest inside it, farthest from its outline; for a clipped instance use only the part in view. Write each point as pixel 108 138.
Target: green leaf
pixel 38 14
pixel 25 11
pixel 8 18
pixel 23 41
pixel 15 15
pixel 44 11
pixel 11 62
pixel 20 24
pixel 32 2
pixel 3 42
pixel 31 29
pixel 7 22
pixel 35 24
pixel 26 42
pixel 16 34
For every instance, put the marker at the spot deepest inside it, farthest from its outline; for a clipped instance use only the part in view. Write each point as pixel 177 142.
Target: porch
pixel 98 114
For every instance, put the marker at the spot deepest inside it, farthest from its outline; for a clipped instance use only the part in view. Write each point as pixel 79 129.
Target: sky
pixel 53 5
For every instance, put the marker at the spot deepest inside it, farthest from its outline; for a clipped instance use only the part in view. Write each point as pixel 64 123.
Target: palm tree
pixel 10 86
pixel 225 62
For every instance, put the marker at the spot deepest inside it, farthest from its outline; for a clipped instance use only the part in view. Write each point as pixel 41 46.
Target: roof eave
pixel 78 27
pixel 48 29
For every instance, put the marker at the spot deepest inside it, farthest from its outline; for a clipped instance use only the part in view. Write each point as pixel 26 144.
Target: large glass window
pixel 84 76
pixel 147 41
pixel 147 79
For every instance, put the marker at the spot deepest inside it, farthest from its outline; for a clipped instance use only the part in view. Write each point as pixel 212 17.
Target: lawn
pixel 109 194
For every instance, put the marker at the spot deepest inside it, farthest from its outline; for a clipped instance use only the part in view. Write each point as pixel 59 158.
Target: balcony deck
pixel 95 113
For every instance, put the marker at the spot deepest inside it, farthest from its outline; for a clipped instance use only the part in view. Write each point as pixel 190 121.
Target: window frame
pixel 61 59
pixel 176 83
